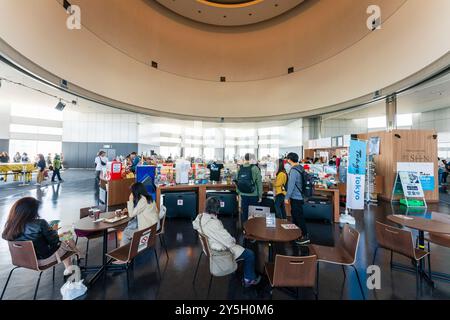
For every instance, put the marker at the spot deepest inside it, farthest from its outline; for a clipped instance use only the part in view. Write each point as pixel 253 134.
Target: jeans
pixel 127 234
pixel 97 177
pixel 297 215
pixel 280 209
pixel 249 264
pixel 247 201
pixel 56 173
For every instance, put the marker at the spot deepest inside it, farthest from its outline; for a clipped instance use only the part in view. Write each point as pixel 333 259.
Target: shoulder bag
pixel 221 263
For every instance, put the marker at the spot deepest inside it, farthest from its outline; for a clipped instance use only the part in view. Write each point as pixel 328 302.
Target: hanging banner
pixel 356 176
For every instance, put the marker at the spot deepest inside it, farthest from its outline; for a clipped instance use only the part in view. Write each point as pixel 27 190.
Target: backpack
pixel 245 181
pixel 307 189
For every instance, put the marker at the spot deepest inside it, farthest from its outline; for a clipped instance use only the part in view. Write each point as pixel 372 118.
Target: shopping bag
pixel 72 290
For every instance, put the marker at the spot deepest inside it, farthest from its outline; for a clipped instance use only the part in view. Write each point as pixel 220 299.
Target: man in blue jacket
pixel 135 159
pixel 294 195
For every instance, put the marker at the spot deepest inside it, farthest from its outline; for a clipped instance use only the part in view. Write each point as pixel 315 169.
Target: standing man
pixel 57 168
pixel 249 186
pixel 294 195
pixel 135 159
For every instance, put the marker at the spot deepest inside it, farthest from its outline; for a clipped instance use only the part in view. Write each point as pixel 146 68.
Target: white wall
pixel 5 120
pixel 100 127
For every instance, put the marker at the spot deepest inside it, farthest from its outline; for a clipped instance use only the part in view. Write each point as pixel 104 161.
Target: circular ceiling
pixel 230 12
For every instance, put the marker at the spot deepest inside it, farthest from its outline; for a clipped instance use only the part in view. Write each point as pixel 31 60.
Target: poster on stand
pixel 424 169
pixel 412 187
pixel 356 175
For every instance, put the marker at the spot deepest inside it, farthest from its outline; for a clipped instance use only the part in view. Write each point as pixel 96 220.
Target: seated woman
pixel 24 224
pixel 213 228
pixel 142 209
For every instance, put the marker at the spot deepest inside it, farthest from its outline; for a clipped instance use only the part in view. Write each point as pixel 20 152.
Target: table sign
pixel 424 169
pixel 271 221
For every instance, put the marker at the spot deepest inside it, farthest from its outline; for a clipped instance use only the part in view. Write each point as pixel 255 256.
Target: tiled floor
pixel 63 202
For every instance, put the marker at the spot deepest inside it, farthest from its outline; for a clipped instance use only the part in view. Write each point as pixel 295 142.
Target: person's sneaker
pixel 249 283
pixel 303 240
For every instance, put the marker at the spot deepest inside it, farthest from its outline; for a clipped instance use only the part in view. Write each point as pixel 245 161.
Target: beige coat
pixel 218 237
pixel 147 214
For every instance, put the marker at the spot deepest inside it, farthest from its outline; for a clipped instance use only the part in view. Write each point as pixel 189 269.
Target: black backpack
pixel 307 189
pixel 245 181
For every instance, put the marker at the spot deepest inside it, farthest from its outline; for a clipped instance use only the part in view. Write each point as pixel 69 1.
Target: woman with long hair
pixel 142 209
pixel 25 224
pixel 280 190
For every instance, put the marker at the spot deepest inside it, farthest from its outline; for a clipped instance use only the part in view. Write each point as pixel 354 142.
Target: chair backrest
pixel 23 254
pixel 258 211
pixel 142 240
pixel 350 241
pixel 84 212
pixel 205 245
pixel 395 239
pixel 162 219
pixel 295 271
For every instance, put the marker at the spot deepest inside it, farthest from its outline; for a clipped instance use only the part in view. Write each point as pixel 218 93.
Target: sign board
pixel 179 202
pixel 374 146
pixel 424 169
pixel 222 204
pixel 412 188
pixel 143 241
pixel 271 221
pixel 356 174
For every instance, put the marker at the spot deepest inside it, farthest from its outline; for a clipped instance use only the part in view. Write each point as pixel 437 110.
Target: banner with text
pixel 356 176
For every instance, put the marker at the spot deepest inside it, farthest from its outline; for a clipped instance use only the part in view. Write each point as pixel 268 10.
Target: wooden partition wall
pixel 404 146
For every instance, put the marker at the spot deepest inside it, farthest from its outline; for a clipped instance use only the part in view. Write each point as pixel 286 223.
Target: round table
pixel 256 229
pixel 87 224
pixel 435 222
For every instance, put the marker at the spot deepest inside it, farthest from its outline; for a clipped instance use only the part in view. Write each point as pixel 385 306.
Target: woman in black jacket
pixel 24 224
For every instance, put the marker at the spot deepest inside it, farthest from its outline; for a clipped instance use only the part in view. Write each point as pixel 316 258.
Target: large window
pixel 166 151
pixel 21 128
pixel 33 147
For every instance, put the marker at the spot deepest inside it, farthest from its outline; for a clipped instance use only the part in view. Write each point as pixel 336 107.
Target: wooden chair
pixel 343 254
pixel 24 256
pixel 162 225
pixel 142 240
pixel 206 252
pixel 84 212
pixel 293 272
pixel 399 241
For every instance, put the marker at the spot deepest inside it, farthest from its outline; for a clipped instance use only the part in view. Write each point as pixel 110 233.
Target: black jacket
pixel 45 240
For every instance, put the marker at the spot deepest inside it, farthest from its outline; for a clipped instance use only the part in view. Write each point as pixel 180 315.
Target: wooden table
pixel 334 199
pixel 433 222
pixel 88 225
pixel 256 229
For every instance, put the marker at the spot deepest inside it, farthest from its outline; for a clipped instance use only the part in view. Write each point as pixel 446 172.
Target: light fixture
pixel 60 106
pixel 397 135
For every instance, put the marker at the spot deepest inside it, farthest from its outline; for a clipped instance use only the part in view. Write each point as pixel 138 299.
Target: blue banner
pixel 357 157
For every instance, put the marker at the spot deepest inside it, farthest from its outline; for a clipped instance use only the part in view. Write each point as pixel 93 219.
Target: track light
pixel 60 106
pixel 397 135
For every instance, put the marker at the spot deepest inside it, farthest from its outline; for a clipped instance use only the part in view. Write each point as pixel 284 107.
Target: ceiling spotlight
pixel 60 106
pixel 397 135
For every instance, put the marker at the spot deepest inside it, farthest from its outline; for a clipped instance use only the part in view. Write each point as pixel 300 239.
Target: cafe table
pixel 88 224
pixel 433 222
pixel 256 229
